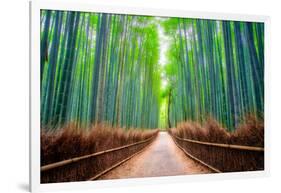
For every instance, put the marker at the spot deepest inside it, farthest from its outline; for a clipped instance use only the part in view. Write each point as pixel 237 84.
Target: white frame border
pixel 34 122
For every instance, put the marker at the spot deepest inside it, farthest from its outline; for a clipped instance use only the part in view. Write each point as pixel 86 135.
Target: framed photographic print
pixel 123 94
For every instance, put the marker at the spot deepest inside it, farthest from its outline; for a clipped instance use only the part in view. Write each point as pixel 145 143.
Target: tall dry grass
pixel 69 142
pixel 250 133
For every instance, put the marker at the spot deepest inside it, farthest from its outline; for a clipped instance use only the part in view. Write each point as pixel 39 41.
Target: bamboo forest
pixel 147 73
pixel 105 68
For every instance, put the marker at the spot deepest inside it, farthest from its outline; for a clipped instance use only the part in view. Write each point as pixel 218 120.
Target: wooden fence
pixel 220 157
pixel 92 166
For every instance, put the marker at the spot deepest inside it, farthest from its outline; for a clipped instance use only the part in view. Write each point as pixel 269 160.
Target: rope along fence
pixel 92 166
pixel 223 157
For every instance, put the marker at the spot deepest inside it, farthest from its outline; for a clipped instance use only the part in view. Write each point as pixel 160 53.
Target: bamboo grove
pixel 215 70
pixel 99 68
pixel 104 68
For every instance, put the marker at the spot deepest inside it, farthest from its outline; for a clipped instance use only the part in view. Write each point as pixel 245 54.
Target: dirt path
pixel 161 158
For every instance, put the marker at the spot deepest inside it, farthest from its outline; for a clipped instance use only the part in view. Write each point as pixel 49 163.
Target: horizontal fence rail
pixel 220 157
pixel 92 166
pixel 76 159
pixel 195 158
pixel 117 164
pixel 230 146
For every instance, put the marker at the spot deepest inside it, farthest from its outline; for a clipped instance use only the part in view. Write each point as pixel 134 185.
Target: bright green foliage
pixel 104 68
pixel 215 69
pixel 99 68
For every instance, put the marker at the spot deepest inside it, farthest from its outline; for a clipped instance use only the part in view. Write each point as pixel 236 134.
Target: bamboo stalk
pixel 76 159
pixel 230 146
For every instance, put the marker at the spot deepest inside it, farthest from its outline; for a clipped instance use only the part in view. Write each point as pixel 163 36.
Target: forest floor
pixel 161 158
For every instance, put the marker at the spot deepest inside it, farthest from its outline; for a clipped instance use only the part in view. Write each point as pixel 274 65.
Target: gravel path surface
pixel 161 158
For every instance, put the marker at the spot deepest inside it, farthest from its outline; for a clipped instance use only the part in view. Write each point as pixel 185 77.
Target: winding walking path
pixel 161 158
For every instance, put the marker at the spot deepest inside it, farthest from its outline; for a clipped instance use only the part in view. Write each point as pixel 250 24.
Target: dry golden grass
pixel 250 133
pixel 70 141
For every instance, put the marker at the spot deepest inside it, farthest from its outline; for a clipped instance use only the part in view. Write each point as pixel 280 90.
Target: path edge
pixel 215 170
pixel 96 177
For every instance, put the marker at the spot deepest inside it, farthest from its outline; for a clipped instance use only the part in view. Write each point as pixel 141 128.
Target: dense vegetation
pixel 99 68
pixel 104 68
pixel 215 69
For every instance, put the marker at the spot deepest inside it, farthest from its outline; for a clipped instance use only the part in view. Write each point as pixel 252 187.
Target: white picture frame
pixel 36 6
